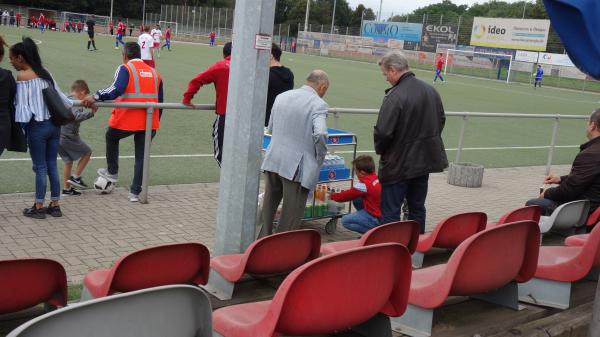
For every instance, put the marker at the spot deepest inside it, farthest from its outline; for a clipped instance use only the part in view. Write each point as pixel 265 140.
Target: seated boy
pixel 71 146
pixel 365 195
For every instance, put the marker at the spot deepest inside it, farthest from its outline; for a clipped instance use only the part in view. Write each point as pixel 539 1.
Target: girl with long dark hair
pixel 42 135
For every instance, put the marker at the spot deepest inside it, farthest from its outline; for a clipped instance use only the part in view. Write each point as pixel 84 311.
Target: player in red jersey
pixel 167 39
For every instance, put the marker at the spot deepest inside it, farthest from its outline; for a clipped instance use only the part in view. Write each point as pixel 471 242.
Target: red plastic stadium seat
pixel 449 233
pixel 180 263
pixel 405 233
pixel 487 263
pixel 332 293
pixel 28 282
pixel 277 253
pixel 557 267
pixel 531 213
pixel 594 218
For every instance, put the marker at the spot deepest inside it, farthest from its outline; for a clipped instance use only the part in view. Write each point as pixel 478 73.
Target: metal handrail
pixel 149 106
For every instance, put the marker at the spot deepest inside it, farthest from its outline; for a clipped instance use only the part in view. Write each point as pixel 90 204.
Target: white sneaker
pixel 133 197
pixel 104 173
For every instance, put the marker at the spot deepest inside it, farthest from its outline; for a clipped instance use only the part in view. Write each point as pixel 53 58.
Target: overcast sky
pixel 404 6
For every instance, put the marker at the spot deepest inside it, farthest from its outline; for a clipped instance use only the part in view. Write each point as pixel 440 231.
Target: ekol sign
pixel 437 34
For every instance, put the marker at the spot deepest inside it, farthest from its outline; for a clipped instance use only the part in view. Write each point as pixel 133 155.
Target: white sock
pixel 76 176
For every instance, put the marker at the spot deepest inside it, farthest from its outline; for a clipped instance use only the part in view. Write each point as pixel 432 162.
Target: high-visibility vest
pixel 143 86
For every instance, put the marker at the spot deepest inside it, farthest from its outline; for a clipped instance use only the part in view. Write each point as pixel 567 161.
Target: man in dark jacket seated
pixel 583 182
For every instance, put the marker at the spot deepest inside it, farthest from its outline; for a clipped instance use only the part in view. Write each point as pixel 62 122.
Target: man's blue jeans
pixel 414 191
pixel 360 221
pixel 42 139
pixel 548 206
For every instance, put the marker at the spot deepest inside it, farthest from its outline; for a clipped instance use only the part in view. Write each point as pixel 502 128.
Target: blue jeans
pixel 414 191
pixel 548 206
pixel 360 221
pixel 42 139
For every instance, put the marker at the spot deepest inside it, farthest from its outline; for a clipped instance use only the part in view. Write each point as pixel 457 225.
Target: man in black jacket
pixel 583 182
pixel 408 139
pixel 281 79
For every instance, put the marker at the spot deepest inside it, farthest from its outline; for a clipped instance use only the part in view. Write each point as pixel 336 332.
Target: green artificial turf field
pixel 182 150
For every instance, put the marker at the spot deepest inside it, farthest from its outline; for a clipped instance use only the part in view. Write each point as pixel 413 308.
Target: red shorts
pixel 150 63
pixel 156 45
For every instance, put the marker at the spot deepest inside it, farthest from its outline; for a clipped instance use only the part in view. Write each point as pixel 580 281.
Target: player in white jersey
pixel 156 35
pixel 146 43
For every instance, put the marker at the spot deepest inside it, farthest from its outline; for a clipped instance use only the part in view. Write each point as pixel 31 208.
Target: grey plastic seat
pixel 566 217
pixel 173 311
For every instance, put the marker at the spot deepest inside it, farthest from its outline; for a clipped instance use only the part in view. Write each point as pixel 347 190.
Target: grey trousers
pixel 294 200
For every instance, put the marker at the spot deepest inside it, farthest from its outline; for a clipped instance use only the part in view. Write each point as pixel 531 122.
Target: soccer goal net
pixel 478 64
pixel 164 24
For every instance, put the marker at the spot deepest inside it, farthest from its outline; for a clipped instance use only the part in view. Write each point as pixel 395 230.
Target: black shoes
pixel 54 211
pixel 77 182
pixel 36 213
pixel 70 191
pixel 40 213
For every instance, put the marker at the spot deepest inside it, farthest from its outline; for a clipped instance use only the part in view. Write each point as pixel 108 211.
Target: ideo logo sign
pixel 510 33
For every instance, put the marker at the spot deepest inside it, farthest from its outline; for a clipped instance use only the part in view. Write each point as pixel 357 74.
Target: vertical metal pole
pixel 552 146
pixel 333 16
pixel 279 34
pixel 194 20
pixel 306 15
pixel 362 18
pixel 458 29
pixel 205 20
pixel 143 12
pixel 111 9
pixel 380 6
pixel 336 118
pixel 347 30
pixel 246 104
pixel 212 20
pixel 148 140
pixel 441 19
pixel 219 24
pixel 226 19
pixel 187 21
pixel 461 137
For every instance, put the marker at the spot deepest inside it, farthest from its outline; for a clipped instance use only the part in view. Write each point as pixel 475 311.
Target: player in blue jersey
pixel 539 73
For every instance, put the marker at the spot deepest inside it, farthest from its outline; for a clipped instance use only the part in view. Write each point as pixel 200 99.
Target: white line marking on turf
pixel 200 155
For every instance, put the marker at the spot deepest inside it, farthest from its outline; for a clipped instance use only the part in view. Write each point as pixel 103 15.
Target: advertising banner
pixel 433 35
pixel 510 33
pixel 383 31
pixel 556 59
pixel 526 56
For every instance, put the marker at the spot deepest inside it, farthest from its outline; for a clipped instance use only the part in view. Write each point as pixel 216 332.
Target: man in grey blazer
pixel 296 152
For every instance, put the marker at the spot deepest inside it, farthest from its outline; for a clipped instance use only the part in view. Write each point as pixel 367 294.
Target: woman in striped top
pixel 33 114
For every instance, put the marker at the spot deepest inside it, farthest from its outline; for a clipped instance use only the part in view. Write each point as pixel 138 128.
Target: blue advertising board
pixel 382 31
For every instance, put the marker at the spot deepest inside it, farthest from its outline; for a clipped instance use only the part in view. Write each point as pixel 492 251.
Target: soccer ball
pixel 103 185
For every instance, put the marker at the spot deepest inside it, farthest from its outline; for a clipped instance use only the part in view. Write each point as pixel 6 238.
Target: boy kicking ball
pixel 71 147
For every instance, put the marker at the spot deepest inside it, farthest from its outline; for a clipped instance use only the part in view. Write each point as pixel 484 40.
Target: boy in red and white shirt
pixel 365 196
pixel 146 43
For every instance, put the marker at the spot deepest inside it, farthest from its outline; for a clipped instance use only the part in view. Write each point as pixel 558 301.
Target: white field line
pixel 342 152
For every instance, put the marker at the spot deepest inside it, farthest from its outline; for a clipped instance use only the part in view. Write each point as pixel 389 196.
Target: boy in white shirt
pixel 156 35
pixel 146 43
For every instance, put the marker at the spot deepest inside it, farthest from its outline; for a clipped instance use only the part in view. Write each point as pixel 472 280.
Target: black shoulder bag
pixel 59 113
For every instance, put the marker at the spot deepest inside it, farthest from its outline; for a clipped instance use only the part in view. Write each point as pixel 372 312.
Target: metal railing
pixel 336 115
pixel 149 111
pixel 466 115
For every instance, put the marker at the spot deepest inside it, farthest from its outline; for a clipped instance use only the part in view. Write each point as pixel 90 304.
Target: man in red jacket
pixel 365 195
pixel 218 74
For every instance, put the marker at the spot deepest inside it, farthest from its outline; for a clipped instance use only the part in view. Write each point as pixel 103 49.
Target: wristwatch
pixel 96 97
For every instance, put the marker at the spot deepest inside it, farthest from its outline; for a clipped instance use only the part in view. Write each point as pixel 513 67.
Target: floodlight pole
pixel 379 15
pixel 246 105
pixel 144 13
pixel 333 16
pixel 306 16
pixel 111 10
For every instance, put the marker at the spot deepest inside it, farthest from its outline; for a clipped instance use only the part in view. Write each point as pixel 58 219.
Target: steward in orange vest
pixel 134 82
